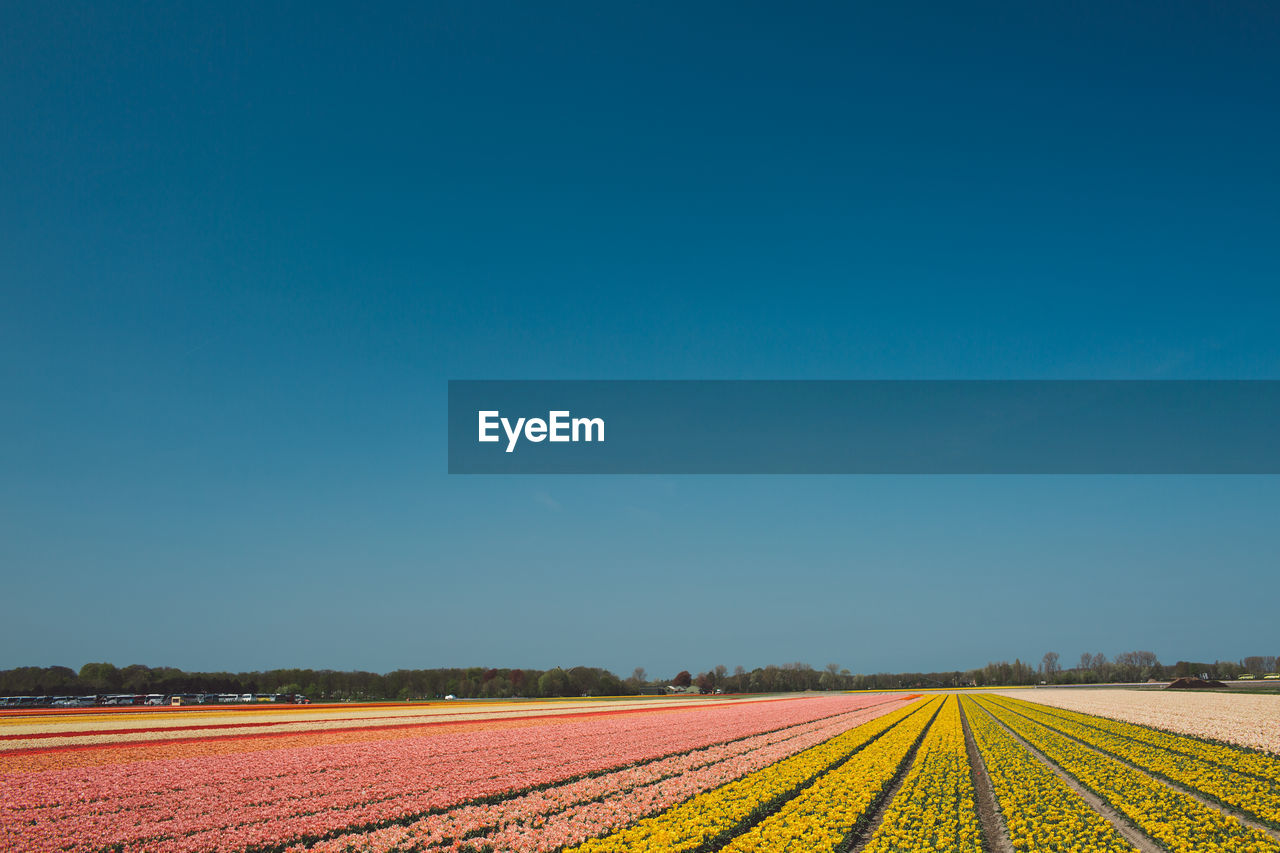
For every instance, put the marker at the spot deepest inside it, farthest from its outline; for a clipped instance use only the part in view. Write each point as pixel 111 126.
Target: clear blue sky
pixel 243 249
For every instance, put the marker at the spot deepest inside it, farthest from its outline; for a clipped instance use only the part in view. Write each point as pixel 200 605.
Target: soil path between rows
pixel 1247 820
pixel 877 818
pixel 993 830
pixel 890 792
pixel 1117 820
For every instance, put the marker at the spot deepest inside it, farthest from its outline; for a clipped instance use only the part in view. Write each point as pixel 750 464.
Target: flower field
pixel 1246 720
pixel 868 772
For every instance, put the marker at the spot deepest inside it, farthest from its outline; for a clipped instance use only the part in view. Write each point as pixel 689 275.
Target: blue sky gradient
pixel 243 250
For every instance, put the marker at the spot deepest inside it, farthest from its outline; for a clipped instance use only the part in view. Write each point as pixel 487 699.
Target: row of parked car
pixel 150 699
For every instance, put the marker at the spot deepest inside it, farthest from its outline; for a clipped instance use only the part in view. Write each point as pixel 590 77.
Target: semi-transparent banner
pixel 864 427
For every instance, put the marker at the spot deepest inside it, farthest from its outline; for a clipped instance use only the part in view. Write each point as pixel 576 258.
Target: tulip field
pixel 834 772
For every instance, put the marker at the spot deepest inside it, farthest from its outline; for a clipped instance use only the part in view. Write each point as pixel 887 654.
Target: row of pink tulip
pixel 567 814
pixel 268 797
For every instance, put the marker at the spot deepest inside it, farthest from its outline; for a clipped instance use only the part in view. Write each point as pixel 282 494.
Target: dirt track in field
pixel 1195 795
pixel 1117 820
pixel 993 831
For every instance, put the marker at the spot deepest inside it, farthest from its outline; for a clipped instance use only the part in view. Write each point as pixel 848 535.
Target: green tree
pixel 136 678
pixel 100 677
pixel 554 682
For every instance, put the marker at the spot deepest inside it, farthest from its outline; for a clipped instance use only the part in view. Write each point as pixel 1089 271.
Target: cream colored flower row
pixel 1242 760
pixel 1253 796
pixel 1251 720
pixel 935 809
pixel 123 738
pixel 721 812
pixel 1041 812
pixel 1177 821
pixel 307 716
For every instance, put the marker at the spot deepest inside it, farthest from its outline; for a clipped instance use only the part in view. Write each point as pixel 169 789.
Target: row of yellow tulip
pixel 1251 795
pixel 1237 758
pixel 1040 811
pixel 823 817
pixel 1174 819
pixel 935 808
pixel 711 817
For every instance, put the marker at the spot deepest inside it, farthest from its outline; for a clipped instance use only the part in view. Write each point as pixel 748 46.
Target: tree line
pixel 501 683
pixel 1096 668
pixel 1142 666
pixel 316 684
pixel 473 682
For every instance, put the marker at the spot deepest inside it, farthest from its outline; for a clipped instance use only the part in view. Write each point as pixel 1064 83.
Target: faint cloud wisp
pixel 547 501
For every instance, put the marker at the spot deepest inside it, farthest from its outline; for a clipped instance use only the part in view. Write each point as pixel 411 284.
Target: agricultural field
pixel 837 772
pixel 1246 719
